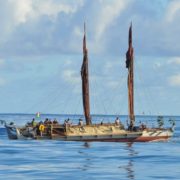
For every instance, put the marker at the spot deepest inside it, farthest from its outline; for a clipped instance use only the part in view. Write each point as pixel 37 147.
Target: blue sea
pixel 50 159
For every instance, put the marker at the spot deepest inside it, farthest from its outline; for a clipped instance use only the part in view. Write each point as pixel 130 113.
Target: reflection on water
pixel 94 160
pixel 87 160
pixel 129 155
pixel 129 168
pixel 130 171
pixel 87 144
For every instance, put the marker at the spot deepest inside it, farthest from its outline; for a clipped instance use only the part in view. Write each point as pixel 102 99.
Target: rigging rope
pixel 150 99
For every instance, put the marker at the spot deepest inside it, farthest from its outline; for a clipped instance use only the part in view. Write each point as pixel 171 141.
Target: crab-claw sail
pixel 85 82
pixel 130 81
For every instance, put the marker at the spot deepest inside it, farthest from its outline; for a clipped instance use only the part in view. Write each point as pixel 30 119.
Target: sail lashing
pixel 85 81
pixel 130 80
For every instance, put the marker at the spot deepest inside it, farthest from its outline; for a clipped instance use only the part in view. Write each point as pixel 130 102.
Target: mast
pixel 85 81
pixel 130 80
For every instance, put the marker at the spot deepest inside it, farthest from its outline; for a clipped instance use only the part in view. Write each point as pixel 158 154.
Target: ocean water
pixel 50 159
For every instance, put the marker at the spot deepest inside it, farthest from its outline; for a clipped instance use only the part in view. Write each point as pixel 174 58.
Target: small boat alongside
pixel 106 132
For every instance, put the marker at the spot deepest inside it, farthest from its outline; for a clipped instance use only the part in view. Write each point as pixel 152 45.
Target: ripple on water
pixel 48 159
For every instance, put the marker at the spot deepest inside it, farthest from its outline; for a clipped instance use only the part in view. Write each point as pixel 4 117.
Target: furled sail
pixel 85 81
pixel 130 81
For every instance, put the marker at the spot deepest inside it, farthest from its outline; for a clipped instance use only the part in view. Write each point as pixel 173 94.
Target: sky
pixel 41 55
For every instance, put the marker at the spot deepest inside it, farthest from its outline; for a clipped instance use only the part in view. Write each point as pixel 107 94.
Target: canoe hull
pixel 116 135
pixel 144 136
pixel 12 132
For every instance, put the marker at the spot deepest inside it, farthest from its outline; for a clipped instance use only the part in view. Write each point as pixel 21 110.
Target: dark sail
pixel 85 82
pixel 130 81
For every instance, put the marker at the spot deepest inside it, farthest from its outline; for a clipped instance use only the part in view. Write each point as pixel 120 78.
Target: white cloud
pixel 173 9
pixel 56 26
pixel 78 32
pixel 174 80
pixel 24 9
pixel 68 63
pixel 105 13
pixel 21 9
pixel 110 10
pixel 175 60
pixel 16 12
pixel 71 77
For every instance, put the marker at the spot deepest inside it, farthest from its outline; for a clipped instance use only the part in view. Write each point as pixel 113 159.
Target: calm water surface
pixel 33 159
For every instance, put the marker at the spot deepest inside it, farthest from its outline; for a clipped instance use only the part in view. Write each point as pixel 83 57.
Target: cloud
pixel 175 60
pixel 49 26
pixel 68 63
pixel 23 10
pixel 174 80
pixel 36 27
pixel 71 76
pixel 108 13
pixel 111 64
pixel 173 10
pixel 52 32
pixel 26 21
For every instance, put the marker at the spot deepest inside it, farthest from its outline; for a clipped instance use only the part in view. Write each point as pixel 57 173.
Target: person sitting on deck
pixel 143 126
pixel 49 121
pixel 46 121
pixel 33 123
pixel 131 127
pixel 117 121
pixel 69 122
pixel 55 121
pixel 65 122
pixel 80 122
pixel 37 129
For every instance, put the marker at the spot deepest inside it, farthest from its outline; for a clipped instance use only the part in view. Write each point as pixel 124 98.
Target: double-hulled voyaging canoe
pixel 110 132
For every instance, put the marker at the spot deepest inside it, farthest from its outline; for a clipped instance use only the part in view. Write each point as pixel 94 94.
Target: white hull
pixel 155 135
pixel 15 133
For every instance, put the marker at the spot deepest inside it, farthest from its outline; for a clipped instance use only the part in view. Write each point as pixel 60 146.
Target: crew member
pixel 41 129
